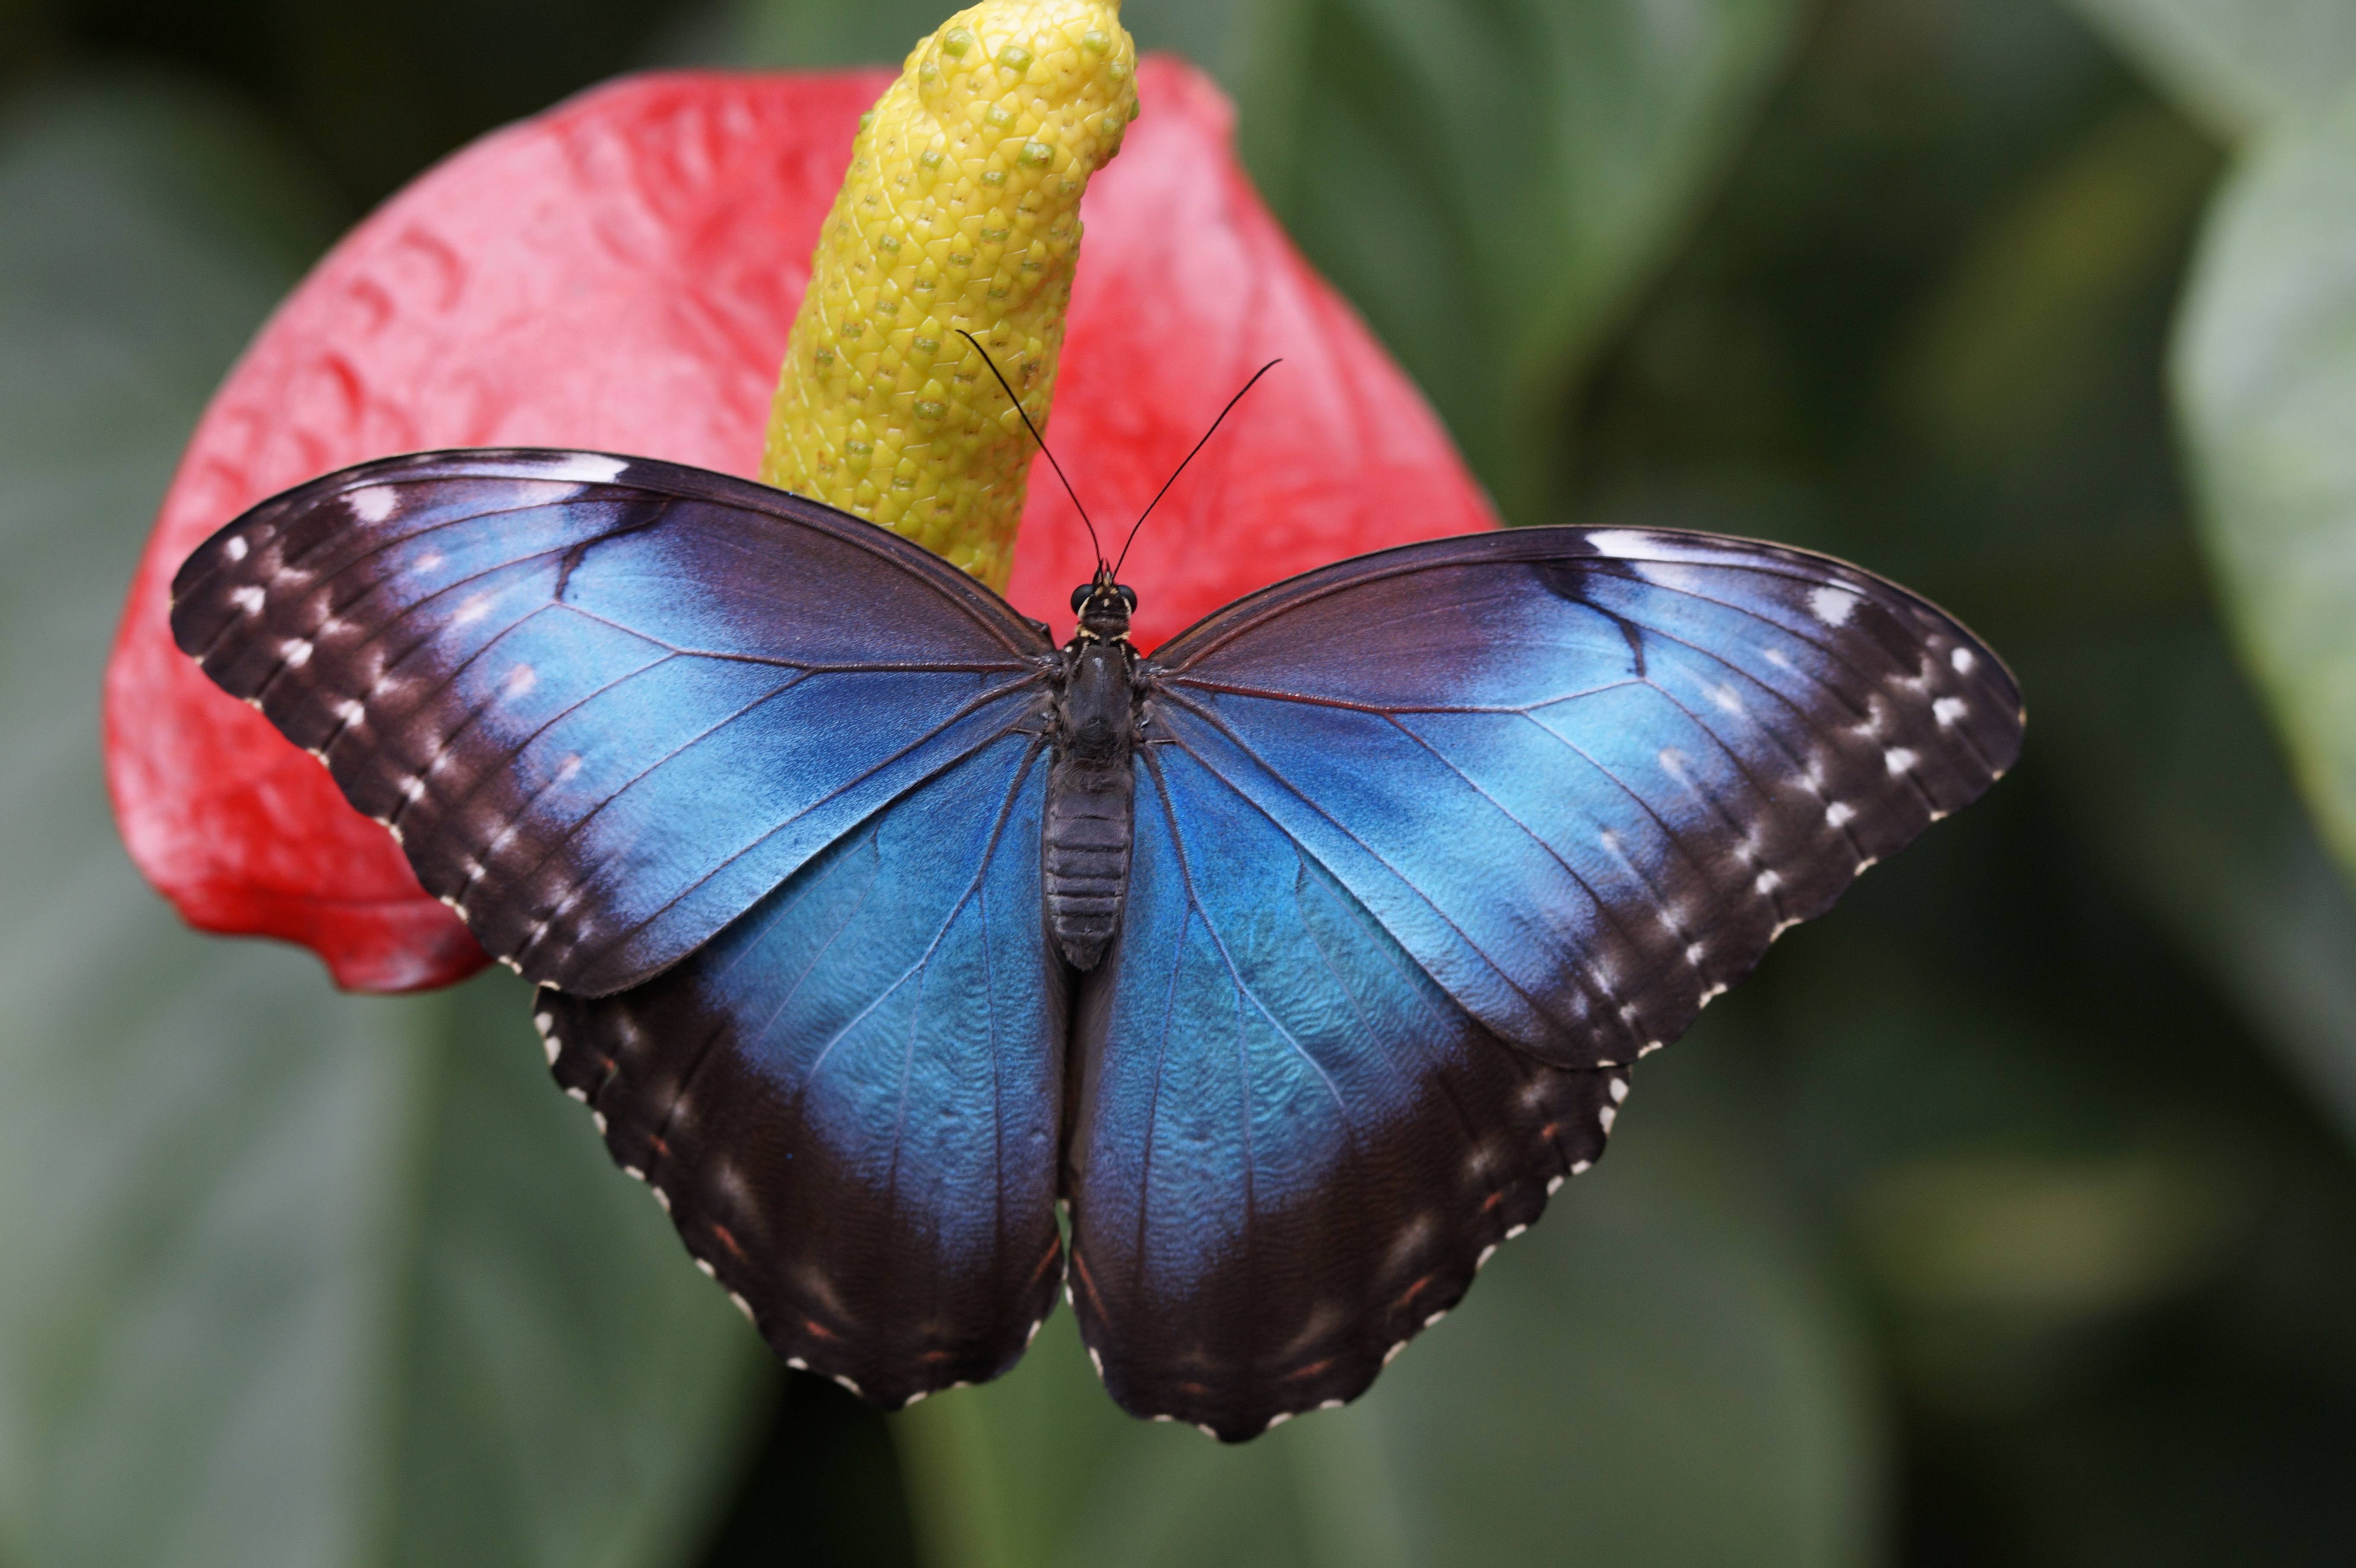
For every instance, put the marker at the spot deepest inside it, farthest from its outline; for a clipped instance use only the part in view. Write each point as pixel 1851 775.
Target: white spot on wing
pixel 476 606
pixel 1964 661
pixel 1899 760
pixel 1947 709
pixel 581 467
pixel 247 599
pixel 373 502
pixel 1840 814
pixel 1621 541
pixel 1832 605
pixel 234 547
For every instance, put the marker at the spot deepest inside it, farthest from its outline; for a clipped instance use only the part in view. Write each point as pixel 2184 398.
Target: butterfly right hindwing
pixel 850 1100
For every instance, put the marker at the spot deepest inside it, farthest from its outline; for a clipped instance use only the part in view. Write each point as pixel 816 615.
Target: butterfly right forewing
pixel 606 703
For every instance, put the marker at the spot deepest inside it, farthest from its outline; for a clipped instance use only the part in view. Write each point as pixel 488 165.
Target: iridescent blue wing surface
pixel 1292 1148
pixel 1431 845
pixel 848 1101
pixel 606 703
pixel 755 785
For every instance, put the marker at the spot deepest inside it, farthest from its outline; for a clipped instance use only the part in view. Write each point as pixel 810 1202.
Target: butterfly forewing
pixel 1585 777
pixel 608 703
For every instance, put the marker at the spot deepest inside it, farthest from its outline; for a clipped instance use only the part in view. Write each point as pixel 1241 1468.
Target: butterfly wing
pixel 849 1100
pixel 755 785
pixel 1291 1150
pixel 1585 777
pixel 1431 846
pixel 606 703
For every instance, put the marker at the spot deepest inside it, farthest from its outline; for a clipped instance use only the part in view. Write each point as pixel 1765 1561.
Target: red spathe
pixel 620 275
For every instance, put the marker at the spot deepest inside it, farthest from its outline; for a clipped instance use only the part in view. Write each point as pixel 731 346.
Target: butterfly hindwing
pixel 1585 777
pixel 608 703
pixel 1293 1149
pixel 848 1101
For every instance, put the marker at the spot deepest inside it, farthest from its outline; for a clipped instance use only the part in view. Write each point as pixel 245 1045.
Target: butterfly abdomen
pixel 1084 842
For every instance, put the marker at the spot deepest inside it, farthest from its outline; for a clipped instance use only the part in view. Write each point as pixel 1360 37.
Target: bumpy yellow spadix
pixel 961 209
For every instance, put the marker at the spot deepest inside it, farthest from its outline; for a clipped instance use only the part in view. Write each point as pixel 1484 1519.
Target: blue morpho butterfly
pixel 1301 959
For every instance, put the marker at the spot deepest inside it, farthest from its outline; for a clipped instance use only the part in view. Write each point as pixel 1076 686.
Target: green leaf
pixel 2241 65
pixel 2168 761
pixel 2264 377
pixel 292 1277
pixel 1491 185
pixel 1653 1375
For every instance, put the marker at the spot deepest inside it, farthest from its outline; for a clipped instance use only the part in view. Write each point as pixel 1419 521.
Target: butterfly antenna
pixel 1186 459
pixel 1094 542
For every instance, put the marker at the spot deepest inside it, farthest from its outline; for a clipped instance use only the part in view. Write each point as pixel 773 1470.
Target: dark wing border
pixel 653 475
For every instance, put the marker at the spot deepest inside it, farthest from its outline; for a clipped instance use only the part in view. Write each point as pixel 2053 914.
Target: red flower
pixel 620 273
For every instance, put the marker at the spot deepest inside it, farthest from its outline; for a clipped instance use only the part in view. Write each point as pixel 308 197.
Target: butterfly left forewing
pixel 848 1101
pixel 1586 776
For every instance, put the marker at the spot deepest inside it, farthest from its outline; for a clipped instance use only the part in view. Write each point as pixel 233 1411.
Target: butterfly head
pixel 1104 607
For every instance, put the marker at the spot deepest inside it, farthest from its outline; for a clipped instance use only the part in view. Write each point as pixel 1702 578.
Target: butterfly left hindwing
pixel 1293 1150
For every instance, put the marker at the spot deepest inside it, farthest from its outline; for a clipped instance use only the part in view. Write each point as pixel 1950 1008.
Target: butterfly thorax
pixel 1085 840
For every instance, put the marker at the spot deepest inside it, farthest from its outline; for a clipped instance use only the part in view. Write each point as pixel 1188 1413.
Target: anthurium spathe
pixel 622 274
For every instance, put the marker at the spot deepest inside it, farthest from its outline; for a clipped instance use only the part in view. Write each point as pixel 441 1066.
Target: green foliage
pixel 292 1277
pixel 2265 364
pixel 1492 184
pixel 2242 64
pixel 2266 376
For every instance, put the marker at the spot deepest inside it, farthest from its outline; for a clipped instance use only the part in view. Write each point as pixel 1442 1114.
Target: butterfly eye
pixel 1081 596
pixel 1128 594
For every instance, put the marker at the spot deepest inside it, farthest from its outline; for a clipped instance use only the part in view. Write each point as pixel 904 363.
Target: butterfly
pixel 1296 964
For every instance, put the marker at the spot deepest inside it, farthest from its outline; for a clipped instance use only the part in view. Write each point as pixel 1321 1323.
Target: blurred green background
pixel 2007 1216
